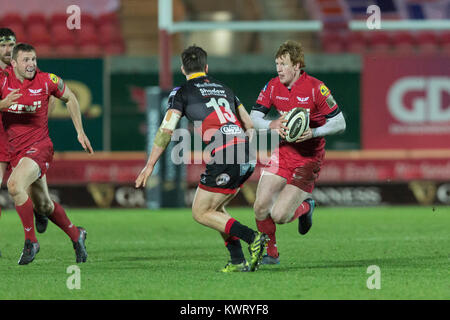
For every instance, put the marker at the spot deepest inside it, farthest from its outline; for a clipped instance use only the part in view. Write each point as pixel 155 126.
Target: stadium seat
pixel 15 23
pixel 445 43
pixel 61 35
pixel 379 42
pixel 403 43
pixel 114 48
pixel 356 42
pixel 108 18
pixel 427 42
pixel 332 42
pixel 44 50
pixel 66 50
pixel 89 45
pixel 35 18
pixel 38 34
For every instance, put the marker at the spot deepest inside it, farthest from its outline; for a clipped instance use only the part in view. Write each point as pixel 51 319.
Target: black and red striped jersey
pixel 211 106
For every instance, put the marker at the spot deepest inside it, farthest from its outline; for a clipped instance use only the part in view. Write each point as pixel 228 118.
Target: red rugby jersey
pixel 307 92
pixel 4 149
pixel 27 121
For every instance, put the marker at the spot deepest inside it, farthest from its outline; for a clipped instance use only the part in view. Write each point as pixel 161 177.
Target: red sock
pixel 60 218
pixel 268 227
pixel 26 215
pixel 301 210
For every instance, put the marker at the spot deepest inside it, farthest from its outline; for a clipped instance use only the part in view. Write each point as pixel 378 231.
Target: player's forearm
pixel 333 125
pixel 162 140
pixel 75 114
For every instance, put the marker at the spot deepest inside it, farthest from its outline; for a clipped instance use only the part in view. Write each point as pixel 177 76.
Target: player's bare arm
pixel 10 99
pixel 162 140
pixel 73 107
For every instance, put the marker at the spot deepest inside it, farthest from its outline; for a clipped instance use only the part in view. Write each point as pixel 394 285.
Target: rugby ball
pixel 297 123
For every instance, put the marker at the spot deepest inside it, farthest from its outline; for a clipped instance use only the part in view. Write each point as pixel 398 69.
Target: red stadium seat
pixel 35 18
pixel 379 41
pixel 403 42
pixel 58 19
pixel 66 50
pixel 333 42
pixel 44 50
pixel 114 48
pixel 427 42
pixel 356 42
pixel 108 18
pixel 11 19
pixel 445 42
pixel 61 35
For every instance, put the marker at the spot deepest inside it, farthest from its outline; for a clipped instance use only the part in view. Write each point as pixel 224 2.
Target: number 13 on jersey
pixel 225 116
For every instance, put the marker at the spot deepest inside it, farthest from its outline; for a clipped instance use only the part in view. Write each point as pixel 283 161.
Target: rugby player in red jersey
pixel 224 120
pixel 285 186
pixel 25 95
pixel 7 42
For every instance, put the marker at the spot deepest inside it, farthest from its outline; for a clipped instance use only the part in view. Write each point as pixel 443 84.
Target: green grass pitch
pixel 165 254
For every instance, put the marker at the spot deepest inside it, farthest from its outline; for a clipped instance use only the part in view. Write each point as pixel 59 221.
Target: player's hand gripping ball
pixel 297 122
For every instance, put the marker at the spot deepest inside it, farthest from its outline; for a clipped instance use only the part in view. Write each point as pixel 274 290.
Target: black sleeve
pixel 261 108
pixel 176 100
pixel 333 113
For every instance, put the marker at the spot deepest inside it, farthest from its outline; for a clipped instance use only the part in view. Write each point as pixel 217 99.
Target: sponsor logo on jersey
pixel 282 98
pixel 223 179
pixel 174 92
pixel 54 78
pixel 207 84
pixel 324 90
pixel 330 101
pixel 231 129
pixel 21 108
pixel 212 92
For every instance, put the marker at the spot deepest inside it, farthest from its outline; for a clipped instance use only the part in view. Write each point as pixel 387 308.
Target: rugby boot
pixel 80 247
pixel 30 250
pixel 41 222
pixel 240 267
pixel 256 249
pixel 266 259
pixel 305 221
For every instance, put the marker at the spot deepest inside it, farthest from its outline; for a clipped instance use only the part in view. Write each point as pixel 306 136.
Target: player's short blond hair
pixel 295 51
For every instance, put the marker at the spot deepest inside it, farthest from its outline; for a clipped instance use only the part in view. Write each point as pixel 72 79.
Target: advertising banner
pixel 406 102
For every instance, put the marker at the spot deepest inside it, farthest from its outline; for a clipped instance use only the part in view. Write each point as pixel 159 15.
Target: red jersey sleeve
pixel 324 100
pixel 56 85
pixel 264 101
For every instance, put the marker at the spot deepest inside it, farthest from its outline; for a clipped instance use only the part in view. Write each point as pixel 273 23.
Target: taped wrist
pixel 162 138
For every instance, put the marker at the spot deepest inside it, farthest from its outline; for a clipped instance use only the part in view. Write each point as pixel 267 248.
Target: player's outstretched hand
pixel 141 180
pixel 10 99
pixel 85 143
pixel 307 134
pixel 279 126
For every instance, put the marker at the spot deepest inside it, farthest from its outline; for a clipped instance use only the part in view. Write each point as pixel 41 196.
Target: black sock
pixel 242 232
pixel 235 249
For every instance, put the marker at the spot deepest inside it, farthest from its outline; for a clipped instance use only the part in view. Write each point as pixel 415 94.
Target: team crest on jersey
pixel 324 90
pixel 174 91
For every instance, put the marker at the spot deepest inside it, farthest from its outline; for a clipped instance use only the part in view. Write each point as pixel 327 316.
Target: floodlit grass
pixel 165 254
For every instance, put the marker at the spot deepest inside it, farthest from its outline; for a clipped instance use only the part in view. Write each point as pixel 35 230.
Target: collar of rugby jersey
pixel 299 80
pixel 197 75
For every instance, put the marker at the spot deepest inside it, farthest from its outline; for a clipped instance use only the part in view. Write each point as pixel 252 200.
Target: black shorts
pixel 225 178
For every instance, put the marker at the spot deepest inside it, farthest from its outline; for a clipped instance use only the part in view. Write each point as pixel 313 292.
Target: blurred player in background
pixel 224 120
pixel 25 95
pixel 285 186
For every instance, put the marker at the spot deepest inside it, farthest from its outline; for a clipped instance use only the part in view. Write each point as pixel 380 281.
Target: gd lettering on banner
pixel 406 102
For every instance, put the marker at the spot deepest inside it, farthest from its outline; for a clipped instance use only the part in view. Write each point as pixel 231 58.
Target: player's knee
pixel 261 210
pixel 45 208
pixel 14 187
pixel 279 216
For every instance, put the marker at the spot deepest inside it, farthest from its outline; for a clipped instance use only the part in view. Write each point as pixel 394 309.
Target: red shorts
pixel 300 171
pixel 40 152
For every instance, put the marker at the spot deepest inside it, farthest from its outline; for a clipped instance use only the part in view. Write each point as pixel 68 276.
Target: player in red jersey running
pixel 285 186
pixel 25 93
pixel 220 117
pixel 7 42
